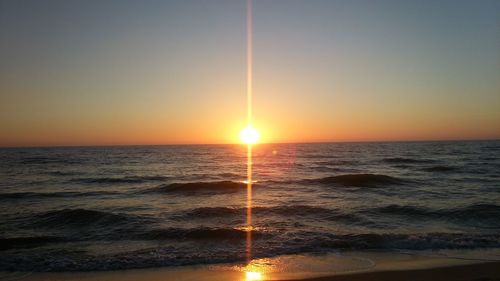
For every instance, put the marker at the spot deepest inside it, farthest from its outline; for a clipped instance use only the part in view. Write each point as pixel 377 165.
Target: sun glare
pixel 249 135
pixel 252 276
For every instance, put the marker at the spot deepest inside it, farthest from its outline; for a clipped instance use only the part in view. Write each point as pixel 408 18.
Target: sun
pixel 253 276
pixel 249 135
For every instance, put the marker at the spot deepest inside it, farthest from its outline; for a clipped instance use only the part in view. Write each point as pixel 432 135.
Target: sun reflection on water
pixel 254 271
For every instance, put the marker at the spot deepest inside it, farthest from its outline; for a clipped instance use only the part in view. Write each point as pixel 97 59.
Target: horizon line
pixel 264 143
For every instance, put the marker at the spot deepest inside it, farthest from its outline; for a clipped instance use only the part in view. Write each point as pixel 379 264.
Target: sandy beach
pixel 450 265
pixel 481 271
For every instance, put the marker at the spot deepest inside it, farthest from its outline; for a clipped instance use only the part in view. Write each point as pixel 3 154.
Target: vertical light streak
pixel 249 62
pixel 249 124
pixel 249 204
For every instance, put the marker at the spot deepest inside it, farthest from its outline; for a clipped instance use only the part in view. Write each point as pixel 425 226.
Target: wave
pixel 63 174
pixel 128 179
pixel 487 215
pixel 287 211
pixel 200 187
pixel 80 217
pixel 403 210
pixel 337 162
pixel 199 233
pixel 318 156
pixel 229 175
pixel 359 180
pixel 229 249
pixel 306 210
pixel 439 169
pixel 402 160
pixel 27 242
pixel 26 195
pixel 290 210
pixel 477 211
pixel 417 241
pixel 35 160
pixel 480 215
pixel 211 212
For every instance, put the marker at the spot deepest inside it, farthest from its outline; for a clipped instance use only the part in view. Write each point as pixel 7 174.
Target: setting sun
pixel 252 276
pixel 249 135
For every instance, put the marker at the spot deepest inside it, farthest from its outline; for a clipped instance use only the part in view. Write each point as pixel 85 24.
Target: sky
pixel 174 72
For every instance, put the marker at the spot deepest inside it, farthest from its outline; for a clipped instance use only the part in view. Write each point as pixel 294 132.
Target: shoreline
pixel 484 271
pixel 469 265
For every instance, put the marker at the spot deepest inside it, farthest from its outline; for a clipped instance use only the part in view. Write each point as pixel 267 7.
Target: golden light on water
pixel 249 204
pixel 256 269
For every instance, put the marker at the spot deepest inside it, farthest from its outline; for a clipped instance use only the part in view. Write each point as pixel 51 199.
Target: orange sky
pixel 175 72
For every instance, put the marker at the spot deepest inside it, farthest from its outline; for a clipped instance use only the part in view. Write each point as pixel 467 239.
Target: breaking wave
pixel 199 233
pixel 200 187
pixel 418 241
pixel 175 254
pixel 359 180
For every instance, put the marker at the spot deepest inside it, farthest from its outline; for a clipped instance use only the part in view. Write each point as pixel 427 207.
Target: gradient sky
pixel 160 72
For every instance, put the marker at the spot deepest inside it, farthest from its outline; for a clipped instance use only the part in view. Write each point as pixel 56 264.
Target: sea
pixel 123 207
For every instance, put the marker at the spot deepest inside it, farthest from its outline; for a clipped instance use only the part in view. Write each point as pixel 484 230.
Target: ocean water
pixel 102 208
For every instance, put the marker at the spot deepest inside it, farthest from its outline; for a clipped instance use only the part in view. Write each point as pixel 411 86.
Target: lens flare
pixel 249 135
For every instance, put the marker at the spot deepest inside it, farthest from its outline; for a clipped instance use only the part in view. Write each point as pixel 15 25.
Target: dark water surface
pixel 97 208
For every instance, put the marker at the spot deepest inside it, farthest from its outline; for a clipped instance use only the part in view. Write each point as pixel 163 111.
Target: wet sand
pixel 352 266
pixel 473 272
